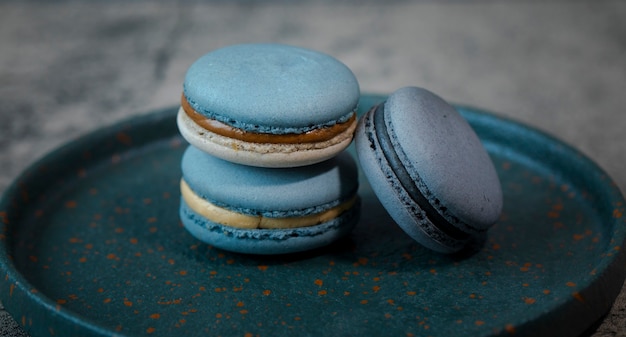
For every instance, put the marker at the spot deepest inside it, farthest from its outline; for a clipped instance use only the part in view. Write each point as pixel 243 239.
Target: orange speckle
pixel 376 288
pixel 387 315
pixel 411 293
pixel 322 292
pixel 546 291
pixel 112 256
pixel 496 246
pixel 82 259
pixel 89 246
pixel 150 330
pixel 152 219
pixel 346 293
pixel 509 328
pixel 617 213
pixel 123 138
pixel 119 230
pixel 617 248
pixel 262 267
pixel 106 300
pixel 553 214
pixel 319 282
pixel 61 301
pixel 578 237
pixel 128 303
pixel 433 271
pixel 248 334
pixel 155 316
pixel 391 302
pixel 240 304
pixel 479 323
pixel 243 311
pixel 570 284
pixel 147 201
pixel 75 240
pixel 267 292
pixel 218 315
pixel 578 297
pixel 297 318
pixel 183 272
pixel 529 300
pixel 363 302
pixel 70 204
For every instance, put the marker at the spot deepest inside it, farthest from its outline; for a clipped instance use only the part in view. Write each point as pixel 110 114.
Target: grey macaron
pixel 429 169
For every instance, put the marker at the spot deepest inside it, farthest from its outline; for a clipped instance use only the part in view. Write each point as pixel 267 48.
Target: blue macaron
pixel 269 105
pixel 429 169
pixel 260 210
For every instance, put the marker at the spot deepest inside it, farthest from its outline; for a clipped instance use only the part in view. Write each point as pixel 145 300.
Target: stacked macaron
pixel 266 172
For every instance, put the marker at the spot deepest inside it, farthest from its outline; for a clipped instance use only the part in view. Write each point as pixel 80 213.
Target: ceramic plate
pixel 91 245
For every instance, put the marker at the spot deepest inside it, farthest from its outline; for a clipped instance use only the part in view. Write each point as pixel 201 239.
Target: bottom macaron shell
pixel 261 154
pixel 404 211
pixel 269 241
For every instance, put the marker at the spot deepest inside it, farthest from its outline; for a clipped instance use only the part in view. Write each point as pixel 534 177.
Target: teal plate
pixel 91 245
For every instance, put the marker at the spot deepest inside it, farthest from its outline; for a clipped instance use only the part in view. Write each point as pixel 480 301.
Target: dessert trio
pixel 266 171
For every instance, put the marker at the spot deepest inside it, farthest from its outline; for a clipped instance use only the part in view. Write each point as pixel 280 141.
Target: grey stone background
pixel 70 67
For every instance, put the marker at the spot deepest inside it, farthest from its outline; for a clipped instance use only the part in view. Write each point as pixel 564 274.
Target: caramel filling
pixel 313 136
pixel 231 218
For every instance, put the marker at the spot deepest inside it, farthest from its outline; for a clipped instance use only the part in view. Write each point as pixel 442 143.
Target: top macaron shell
pixel 271 88
pixel 275 192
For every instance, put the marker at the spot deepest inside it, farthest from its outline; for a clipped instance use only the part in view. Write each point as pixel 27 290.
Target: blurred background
pixel 70 67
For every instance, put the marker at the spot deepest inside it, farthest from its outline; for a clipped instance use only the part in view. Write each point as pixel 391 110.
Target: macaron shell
pixel 262 154
pixel 389 191
pixel 271 88
pixel 437 145
pixel 268 241
pixel 290 190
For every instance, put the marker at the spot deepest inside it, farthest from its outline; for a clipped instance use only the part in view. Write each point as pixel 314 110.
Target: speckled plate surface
pixel 91 245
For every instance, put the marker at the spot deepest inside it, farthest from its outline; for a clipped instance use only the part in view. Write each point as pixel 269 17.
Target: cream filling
pixel 195 133
pixel 233 219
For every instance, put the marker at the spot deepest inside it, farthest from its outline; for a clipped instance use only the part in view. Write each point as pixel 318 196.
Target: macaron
pixel 269 105
pixel 259 210
pixel 429 169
